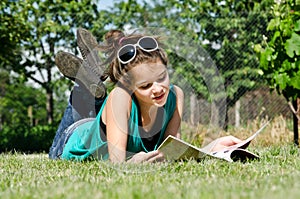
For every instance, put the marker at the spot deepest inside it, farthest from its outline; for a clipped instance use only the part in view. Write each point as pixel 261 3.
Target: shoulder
pixel 119 96
pixel 179 93
pixel 118 103
pixel 119 91
pixel 178 90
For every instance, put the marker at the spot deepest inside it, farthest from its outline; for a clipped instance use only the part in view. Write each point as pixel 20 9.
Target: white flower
pixel 278 1
pixel 265 38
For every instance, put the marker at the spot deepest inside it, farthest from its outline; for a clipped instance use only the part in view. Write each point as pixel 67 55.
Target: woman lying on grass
pixel 137 115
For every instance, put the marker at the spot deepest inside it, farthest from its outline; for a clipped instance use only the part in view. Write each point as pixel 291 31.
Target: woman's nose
pixel 156 88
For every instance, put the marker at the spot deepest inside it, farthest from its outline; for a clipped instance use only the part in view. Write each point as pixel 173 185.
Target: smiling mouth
pixel 159 97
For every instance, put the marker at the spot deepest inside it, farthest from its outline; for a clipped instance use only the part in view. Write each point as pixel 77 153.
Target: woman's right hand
pixel 153 156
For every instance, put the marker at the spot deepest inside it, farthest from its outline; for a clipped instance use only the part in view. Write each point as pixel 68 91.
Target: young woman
pixel 139 113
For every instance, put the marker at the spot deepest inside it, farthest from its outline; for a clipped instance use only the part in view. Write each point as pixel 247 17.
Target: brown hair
pixel 114 40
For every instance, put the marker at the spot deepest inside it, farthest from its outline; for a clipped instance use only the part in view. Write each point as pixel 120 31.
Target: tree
pixel 50 26
pixel 23 117
pixel 280 54
pixel 13 29
pixel 229 29
pixel 20 103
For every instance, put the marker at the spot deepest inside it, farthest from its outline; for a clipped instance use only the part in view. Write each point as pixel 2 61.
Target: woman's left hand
pixel 153 156
pixel 225 142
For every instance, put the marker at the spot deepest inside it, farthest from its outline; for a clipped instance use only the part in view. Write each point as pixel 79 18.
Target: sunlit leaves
pixel 292 45
pixel 280 54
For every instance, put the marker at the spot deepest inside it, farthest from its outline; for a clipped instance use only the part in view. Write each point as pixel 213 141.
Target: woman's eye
pixel 162 78
pixel 145 86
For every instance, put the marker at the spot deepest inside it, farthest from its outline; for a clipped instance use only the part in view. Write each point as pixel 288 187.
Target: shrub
pixel 25 138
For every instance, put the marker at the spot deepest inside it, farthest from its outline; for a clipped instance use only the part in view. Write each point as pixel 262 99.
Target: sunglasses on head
pixel 128 52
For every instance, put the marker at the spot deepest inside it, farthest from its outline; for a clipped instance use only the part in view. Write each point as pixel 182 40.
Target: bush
pixel 25 138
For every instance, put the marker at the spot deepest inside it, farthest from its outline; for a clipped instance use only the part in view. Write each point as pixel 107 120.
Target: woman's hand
pixel 153 156
pixel 225 142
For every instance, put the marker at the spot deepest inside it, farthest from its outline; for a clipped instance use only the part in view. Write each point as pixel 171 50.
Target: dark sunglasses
pixel 128 52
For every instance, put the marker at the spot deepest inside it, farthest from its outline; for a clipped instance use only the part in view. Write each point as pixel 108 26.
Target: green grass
pixel 275 175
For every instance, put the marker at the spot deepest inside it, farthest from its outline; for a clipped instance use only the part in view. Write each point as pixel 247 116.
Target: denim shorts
pixel 82 107
pixel 70 117
pixel 57 150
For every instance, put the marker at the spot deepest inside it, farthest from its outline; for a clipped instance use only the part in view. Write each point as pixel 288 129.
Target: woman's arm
pixel 173 127
pixel 116 114
pixel 117 111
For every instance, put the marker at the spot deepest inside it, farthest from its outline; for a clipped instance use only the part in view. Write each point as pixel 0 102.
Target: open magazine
pixel 176 149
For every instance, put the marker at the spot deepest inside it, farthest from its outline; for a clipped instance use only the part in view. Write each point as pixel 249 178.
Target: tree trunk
pixel 226 115
pixel 49 93
pixel 295 122
pixel 49 105
pixel 50 100
pixel 298 111
pixel 237 114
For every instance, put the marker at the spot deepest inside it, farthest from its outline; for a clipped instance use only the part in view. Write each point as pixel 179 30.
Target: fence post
pixel 194 107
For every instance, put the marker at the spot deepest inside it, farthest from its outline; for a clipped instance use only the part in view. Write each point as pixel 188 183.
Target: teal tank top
pixel 88 139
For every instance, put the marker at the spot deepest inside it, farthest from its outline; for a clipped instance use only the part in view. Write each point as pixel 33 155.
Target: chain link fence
pixel 249 102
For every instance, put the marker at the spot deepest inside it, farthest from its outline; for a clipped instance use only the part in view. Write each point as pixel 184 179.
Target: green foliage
pixel 25 138
pixel 229 31
pixel 52 25
pixel 47 26
pixel 280 52
pixel 20 103
pixel 23 123
pixel 34 31
pixel 13 29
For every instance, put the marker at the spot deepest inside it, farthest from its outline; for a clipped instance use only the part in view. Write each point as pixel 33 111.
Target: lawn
pixel 275 175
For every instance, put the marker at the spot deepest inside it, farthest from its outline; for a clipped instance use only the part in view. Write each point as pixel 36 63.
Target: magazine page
pixel 233 155
pixel 176 149
pixel 237 151
pixel 245 143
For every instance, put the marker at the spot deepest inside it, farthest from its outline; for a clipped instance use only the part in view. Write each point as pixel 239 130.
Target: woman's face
pixel 151 83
